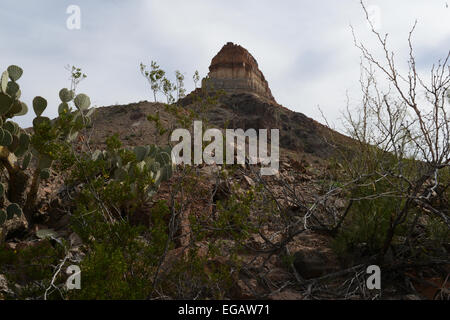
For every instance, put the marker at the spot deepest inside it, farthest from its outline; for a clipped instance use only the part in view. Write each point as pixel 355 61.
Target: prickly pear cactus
pixel 11 210
pixel 152 164
pixel 18 147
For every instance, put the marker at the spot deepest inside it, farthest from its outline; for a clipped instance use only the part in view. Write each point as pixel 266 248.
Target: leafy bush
pixel 367 224
pixel 118 264
pixel 382 215
pixel 30 267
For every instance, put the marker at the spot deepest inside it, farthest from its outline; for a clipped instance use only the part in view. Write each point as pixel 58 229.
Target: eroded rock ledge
pixel 235 70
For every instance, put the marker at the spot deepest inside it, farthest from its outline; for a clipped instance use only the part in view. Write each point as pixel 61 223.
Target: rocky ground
pixel 265 273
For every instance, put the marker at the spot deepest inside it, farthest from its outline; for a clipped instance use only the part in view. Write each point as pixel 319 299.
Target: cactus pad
pixel 14 209
pixel 66 95
pixel 39 105
pixel 4 81
pixel 2 217
pixel 5 103
pixel 63 108
pixel 45 174
pixel 15 72
pixel 82 101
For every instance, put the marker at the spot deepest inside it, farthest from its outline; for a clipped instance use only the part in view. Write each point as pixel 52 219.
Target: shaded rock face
pixel 235 70
pixel 297 131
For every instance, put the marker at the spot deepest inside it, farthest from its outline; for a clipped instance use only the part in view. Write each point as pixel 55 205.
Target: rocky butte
pixel 235 70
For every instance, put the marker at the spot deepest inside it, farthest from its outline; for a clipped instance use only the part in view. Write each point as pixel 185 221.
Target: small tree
pixel 168 89
pixel 76 76
pixel 196 78
pixel 154 76
pixel 399 172
pixel 181 92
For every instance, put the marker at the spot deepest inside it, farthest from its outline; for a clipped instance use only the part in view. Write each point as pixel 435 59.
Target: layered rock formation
pixel 235 70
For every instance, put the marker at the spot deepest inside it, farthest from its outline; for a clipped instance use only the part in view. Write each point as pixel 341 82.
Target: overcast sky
pixel 304 48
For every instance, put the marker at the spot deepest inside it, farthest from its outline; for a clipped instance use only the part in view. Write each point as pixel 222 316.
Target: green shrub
pixel 196 277
pixel 31 268
pixel 121 258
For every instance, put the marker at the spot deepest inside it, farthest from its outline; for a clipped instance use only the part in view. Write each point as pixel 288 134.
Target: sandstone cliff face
pixel 235 70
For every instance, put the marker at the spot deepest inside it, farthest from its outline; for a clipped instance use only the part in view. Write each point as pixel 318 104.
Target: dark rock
pixel 313 264
pixel 15 228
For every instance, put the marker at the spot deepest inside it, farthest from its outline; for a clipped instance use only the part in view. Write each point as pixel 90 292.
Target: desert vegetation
pixel 140 227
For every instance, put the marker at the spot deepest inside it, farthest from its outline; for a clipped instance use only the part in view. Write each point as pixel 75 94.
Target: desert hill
pixel 244 101
pixel 260 237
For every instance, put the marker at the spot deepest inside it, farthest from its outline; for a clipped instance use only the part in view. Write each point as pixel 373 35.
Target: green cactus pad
pixel 82 101
pixel 153 151
pixel 15 72
pixel 16 107
pixel 16 128
pixel 5 103
pixel 14 209
pixel 23 110
pixel 9 126
pixel 4 81
pixel 12 127
pixel 26 161
pixel 39 105
pixel 63 108
pixel 153 165
pixel 166 173
pixel 141 152
pixel 163 158
pixel 7 138
pixel 38 121
pixel 24 143
pixel 9 214
pixel 14 144
pixel 2 217
pixel 45 174
pixel 12 89
pixel 66 95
